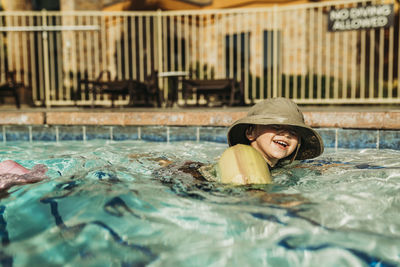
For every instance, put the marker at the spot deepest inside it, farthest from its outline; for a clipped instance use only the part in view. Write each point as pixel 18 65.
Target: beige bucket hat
pixel 278 111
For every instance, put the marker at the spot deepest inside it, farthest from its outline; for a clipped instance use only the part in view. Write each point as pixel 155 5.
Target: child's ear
pixel 250 133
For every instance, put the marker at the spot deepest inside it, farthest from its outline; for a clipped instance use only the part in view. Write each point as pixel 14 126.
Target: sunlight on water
pixel 105 204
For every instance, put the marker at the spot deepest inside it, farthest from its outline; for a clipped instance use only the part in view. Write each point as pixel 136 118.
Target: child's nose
pixel 287 133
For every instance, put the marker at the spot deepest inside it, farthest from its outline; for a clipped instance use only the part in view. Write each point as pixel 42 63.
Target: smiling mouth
pixel 281 143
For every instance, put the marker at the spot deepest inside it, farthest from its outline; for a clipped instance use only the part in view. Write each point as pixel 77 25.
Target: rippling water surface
pixel 103 204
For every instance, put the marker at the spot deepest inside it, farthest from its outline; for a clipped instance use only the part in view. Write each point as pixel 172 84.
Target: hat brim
pixel 311 142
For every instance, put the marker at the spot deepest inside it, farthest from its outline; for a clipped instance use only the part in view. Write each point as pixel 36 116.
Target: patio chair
pixel 229 90
pixel 147 90
pixel 10 87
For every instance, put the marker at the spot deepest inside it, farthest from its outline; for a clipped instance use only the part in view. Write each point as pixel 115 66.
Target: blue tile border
pixel 98 132
pixel 121 133
pixel 70 133
pixel 332 137
pixel 214 134
pixel 349 138
pixel 328 136
pixel 44 133
pixel 389 139
pixel 155 133
pixel 17 133
pixel 183 133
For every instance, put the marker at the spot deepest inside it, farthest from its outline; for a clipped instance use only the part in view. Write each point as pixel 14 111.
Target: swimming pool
pixel 103 205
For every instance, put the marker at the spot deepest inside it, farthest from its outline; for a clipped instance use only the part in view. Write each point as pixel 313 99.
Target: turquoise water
pixel 103 205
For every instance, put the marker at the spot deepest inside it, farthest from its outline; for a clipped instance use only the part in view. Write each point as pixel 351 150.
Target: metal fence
pixel 280 51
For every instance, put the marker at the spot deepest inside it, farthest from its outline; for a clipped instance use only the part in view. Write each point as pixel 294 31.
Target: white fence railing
pixel 280 51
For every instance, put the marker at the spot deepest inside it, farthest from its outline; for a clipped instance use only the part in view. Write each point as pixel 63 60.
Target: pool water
pixel 104 204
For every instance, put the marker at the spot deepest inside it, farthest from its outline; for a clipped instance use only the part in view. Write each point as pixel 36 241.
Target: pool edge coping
pixel 317 119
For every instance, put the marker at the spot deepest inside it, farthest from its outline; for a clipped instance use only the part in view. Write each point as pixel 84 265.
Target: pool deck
pixel 320 117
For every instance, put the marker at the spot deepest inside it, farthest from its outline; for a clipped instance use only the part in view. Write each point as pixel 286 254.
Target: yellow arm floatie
pixel 243 164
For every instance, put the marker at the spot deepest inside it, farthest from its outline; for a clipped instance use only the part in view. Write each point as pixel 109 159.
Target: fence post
pixel 46 59
pixel 275 53
pixel 160 56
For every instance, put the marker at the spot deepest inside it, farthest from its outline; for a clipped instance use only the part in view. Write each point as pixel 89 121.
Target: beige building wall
pixel 87 4
pixel 305 46
pixel 12 5
pixel 67 5
pixel 207 4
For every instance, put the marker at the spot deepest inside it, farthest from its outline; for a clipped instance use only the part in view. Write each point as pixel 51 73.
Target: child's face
pixel 275 142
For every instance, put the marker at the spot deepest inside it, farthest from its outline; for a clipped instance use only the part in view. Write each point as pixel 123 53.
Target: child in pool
pixel 275 128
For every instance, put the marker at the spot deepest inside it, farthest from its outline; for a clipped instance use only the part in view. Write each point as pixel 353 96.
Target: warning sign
pixel 359 18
